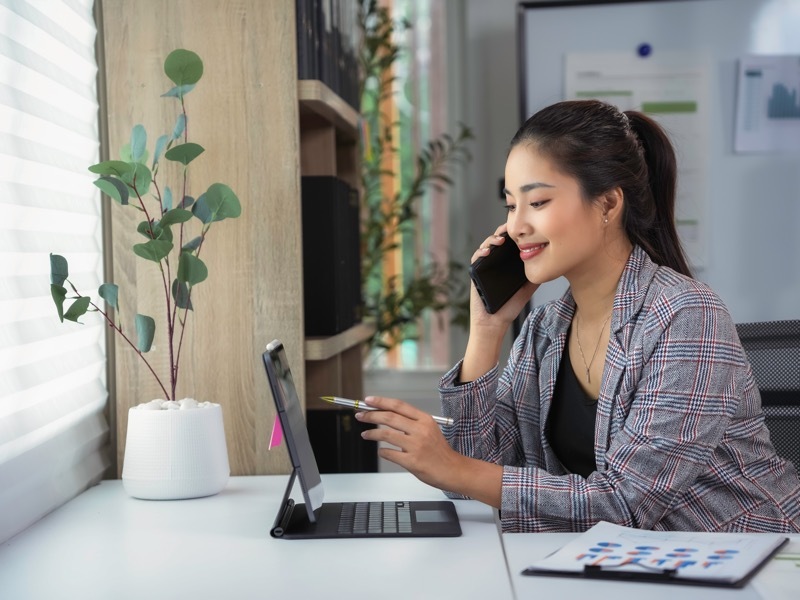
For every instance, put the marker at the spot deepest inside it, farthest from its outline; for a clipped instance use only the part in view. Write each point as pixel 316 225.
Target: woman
pixel 628 400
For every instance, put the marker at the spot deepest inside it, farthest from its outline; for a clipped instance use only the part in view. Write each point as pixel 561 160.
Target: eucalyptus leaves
pixel 164 230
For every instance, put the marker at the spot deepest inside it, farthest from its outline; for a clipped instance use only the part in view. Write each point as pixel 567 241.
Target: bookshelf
pixel 329 130
pixel 262 130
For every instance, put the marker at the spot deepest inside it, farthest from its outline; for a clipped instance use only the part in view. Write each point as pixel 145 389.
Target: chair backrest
pixel 773 348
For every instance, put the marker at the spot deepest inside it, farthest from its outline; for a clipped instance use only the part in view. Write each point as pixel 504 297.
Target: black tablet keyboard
pixel 366 518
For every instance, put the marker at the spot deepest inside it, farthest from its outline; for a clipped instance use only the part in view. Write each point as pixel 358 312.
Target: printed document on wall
pixel 672 88
pixel 768 104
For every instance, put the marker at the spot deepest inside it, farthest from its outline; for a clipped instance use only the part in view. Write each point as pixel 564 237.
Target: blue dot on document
pixel 644 50
pixel 647 548
pixel 608 544
pixel 685 549
pixel 600 550
pixel 726 551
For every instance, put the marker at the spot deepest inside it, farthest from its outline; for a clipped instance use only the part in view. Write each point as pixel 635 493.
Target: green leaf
pixel 184 153
pixel 178 91
pixel 138 178
pixel 113 188
pixel 78 309
pixel 59 293
pixel 161 143
pixel 187 202
pixel 59 269
pixel 154 250
pixel 191 269
pixel 153 231
pixel 218 203
pixel 180 291
pixel 145 331
pixel 110 293
pixel 180 125
pixel 166 200
pixel 138 143
pixel 183 67
pixel 112 167
pixel 192 245
pixel 176 215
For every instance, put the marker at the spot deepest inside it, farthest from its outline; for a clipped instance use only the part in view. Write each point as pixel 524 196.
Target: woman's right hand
pixel 511 309
pixel 486 331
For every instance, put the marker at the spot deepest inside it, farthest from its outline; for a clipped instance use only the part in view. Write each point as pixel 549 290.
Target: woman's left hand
pixel 418 444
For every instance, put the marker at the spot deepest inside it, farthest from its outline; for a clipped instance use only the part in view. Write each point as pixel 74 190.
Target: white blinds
pixel 52 375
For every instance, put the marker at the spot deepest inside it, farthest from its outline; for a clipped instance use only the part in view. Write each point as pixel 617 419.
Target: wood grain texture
pixel 244 111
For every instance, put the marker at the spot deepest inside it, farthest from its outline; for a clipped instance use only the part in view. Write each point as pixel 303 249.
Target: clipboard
pixel 615 552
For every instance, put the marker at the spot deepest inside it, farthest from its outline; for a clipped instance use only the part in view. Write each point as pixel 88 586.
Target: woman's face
pixel 557 231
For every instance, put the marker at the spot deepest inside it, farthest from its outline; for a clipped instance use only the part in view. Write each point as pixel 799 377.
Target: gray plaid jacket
pixel 680 440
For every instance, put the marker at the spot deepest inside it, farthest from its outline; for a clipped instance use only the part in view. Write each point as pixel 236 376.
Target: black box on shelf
pixel 331 255
pixel 337 443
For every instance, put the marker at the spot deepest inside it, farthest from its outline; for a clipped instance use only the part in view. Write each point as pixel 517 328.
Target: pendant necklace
pixel 596 347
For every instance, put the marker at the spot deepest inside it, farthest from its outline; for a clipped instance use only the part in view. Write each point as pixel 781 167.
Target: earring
pixel 605 220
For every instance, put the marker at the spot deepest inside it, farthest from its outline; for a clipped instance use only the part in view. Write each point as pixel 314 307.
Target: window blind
pixel 53 434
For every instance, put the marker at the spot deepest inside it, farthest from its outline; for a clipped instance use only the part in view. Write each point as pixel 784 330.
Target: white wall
pixel 754 261
pixel 492 107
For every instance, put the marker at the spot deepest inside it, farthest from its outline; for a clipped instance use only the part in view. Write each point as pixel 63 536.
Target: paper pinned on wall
pixel 768 104
pixel 673 89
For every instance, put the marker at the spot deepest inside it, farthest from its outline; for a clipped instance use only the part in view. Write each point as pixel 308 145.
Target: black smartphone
pixel 498 275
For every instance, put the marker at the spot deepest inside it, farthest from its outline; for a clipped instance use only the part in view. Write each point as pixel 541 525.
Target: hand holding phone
pixel 498 275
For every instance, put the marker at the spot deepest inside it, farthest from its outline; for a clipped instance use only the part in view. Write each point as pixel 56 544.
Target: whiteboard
pixel 751 223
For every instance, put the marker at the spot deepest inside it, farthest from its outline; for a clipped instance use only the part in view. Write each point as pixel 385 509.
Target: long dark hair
pixel 603 148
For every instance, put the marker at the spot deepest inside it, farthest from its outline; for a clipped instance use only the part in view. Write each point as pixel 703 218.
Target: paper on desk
pixel 276 437
pixel 780 577
pixel 720 557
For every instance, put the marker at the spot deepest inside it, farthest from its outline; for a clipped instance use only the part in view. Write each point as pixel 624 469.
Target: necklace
pixel 596 347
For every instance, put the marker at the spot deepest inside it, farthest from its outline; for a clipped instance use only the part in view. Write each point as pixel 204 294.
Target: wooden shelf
pixel 318 98
pixel 323 348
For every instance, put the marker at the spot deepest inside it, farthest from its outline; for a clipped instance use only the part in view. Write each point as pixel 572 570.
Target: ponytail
pixel 660 240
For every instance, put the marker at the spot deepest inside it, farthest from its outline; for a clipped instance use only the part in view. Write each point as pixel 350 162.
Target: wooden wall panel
pixel 244 111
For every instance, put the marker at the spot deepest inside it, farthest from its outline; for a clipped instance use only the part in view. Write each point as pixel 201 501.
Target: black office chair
pixel 773 348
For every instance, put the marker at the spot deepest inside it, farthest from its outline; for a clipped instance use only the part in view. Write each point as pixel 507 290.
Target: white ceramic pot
pixel 175 454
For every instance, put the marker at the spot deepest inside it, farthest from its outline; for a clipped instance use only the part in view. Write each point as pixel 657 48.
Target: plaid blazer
pixel 680 439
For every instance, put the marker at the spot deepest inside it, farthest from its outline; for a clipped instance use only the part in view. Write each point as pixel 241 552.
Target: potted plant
pixel 175 448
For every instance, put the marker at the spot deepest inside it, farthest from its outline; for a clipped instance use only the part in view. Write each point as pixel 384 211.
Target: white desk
pixel 106 545
pixel 778 580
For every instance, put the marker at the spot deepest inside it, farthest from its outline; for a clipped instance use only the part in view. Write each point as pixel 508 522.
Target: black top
pixel 570 424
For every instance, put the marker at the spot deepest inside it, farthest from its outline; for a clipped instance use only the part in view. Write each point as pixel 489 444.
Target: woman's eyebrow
pixel 530 186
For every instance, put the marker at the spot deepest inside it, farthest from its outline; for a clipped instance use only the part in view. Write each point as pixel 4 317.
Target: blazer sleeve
pixel 486 411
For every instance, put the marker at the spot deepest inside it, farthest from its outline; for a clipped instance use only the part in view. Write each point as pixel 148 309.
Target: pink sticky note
pixel 276 437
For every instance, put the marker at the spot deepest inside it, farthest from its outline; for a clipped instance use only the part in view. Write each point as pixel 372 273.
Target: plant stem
pixel 132 345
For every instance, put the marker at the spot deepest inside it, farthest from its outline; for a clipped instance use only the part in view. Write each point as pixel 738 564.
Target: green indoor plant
pixel 396 303
pixel 173 230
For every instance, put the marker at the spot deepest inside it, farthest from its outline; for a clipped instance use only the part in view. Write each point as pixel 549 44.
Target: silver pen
pixel 359 405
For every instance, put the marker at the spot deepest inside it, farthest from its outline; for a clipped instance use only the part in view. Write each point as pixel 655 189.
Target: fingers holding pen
pixel 390 412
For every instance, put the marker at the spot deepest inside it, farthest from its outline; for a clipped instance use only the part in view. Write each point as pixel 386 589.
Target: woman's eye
pixel 539 204
pixel 510 207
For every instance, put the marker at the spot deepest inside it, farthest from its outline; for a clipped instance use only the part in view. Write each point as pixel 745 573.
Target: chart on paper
pixel 768 104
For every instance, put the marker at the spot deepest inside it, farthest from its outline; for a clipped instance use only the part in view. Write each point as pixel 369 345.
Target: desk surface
pixel 105 544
